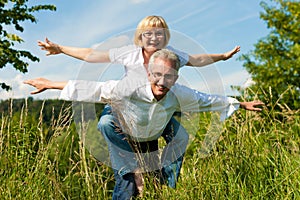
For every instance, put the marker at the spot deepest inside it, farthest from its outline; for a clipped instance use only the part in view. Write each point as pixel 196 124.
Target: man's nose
pixel 162 81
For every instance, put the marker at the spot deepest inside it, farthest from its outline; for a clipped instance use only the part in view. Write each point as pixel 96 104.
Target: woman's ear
pixel 148 74
pixel 140 40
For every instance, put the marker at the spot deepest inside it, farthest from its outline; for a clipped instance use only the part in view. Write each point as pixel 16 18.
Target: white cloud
pixel 236 78
pixel 18 88
pixel 248 83
pixel 240 78
pixel 21 90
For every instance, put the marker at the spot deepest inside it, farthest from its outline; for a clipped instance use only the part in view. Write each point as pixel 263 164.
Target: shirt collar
pixel 149 93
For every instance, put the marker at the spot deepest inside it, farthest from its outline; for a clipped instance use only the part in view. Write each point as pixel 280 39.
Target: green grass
pixel 256 156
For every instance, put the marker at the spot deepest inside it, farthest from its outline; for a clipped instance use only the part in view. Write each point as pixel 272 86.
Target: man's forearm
pixel 57 85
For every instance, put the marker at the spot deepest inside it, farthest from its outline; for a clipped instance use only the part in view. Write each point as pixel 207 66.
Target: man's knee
pixel 106 121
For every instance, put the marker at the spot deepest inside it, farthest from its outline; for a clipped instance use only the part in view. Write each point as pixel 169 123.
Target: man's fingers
pixel 29 82
pixel 36 91
pixel 257 103
pixel 257 109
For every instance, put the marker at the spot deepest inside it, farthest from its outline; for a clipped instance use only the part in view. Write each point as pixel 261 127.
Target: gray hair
pixel 167 55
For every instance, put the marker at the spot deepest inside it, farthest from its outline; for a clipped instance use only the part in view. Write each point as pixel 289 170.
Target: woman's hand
pixel 49 46
pixel 229 54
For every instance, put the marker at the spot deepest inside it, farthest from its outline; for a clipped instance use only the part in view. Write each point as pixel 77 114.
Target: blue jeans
pixel 123 155
pixel 176 138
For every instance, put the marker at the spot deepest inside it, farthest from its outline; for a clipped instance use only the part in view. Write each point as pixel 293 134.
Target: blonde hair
pixel 151 22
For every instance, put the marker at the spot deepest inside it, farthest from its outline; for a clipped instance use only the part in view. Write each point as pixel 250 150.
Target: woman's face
pixel 153 39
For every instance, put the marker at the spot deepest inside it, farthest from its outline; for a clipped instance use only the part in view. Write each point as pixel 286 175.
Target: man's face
pixel 162 77
pixel 153 39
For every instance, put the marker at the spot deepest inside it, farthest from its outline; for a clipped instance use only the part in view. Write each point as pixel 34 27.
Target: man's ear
pixel 175 79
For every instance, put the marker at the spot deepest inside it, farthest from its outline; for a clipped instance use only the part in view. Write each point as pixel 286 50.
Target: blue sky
pixel 198 26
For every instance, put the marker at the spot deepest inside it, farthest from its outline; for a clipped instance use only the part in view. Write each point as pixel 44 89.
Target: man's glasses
pixel 168 77
pixel 149 34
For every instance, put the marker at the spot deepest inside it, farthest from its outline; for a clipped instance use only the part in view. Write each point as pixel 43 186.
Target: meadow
pixel 256 156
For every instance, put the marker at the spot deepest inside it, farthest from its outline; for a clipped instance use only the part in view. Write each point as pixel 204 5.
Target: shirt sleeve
pixel 88 91
pixel 123 55
pixel 183 57
pixel 194 101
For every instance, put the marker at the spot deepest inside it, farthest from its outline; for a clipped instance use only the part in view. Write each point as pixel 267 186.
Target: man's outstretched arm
pixel 42 84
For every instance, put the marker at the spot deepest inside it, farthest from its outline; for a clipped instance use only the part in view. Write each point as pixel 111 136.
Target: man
pixel 142 110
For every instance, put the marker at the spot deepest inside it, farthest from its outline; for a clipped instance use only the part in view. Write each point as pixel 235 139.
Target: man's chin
pixel 161 93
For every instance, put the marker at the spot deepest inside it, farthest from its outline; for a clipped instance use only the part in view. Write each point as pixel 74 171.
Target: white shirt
pixel 131 56
pixel 138 112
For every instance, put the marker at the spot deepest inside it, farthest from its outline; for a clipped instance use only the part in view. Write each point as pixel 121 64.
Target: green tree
pixel 12 12
pixel 275 62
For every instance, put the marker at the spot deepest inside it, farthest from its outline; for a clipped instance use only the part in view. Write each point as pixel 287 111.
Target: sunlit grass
pixel 255 157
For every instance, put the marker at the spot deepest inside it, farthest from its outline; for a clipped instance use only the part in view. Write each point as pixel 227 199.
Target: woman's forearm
pixel 200 60
pixel 86 54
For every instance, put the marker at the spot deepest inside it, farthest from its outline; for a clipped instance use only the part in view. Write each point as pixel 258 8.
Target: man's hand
pixel 42 84
pixel 229 54
pixel 252 105
pixel 49 46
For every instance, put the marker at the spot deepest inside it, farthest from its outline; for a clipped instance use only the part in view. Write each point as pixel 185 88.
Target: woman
pixel 145 42
pixel 152 34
